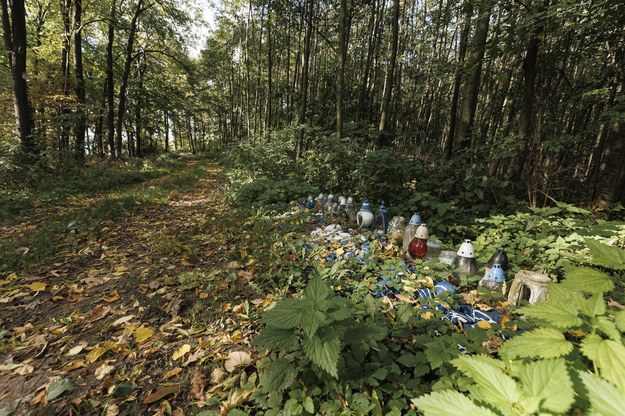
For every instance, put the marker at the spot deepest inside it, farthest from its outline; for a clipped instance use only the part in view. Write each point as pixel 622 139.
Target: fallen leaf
pixel 37 286
pixel 121 269
pixel 235 359
pixel 160 393
pixel 77 349
pixel 39 398
pixel 217 376
pixel 142 333
pixel 484 324
pixel 122 320
pixel 24 370
pixel 103 371
pixel 59 387
pixel 98 313
pixel 426 315
pixel 246 277
pixel 236 337
pixel 197 385
pixel 181 352
pixel 112 410
pixel 74 365
pixel 9 367
pixel 172 373
pixel 96 353
pixel 112 297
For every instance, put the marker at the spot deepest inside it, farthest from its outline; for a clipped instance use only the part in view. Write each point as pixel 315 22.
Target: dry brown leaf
pixel 77 349
pixel 172 373
pixel 245 276
pixel 24 370
pixel 197 385
pixel 98 313
pixel 217 376
pixel 103 371
pixel 74 365
pixel 160 393
pixel 235 359
pixel 122 320
pixel 112 410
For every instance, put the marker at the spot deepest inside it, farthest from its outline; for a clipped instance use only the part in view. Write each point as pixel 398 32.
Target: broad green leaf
pixel 278 375
pixel 560 314
pixel 619 320
pixel 270 338
pixel 312 321
pixel 492 385
pixel 541 342
pixel 11 408
pixel 587 280
pixel 287 314
pixel 317 290
pixel 408 360
pixel 323 350
pixel 438 353
pixel 608 356
pixel 59 387
pixel 449 403
pixel 341 313
pixel 309 405
pixel 605 399
pixel 405 312
pixel 549 383
pixel 607 256
pixel 608 327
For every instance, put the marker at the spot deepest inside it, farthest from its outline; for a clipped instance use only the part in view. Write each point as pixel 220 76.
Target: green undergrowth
pixel 63 230
pixel 24 187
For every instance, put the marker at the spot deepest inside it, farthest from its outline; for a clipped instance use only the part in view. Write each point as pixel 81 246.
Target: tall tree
pixel 14 34
pixel 81 119
pixel 390 73
pixel 301 119
pixel 340 78
pixel 110 81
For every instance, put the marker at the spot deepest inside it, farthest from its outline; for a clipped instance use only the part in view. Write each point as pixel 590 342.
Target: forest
pixel 162 250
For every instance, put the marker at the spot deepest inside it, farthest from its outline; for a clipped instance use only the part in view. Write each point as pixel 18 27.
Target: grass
pixel 47 240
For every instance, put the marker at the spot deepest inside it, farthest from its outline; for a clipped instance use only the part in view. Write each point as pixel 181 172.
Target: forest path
pixel 145 302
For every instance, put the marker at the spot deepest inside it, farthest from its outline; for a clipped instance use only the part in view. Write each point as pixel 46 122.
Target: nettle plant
pixel 574 359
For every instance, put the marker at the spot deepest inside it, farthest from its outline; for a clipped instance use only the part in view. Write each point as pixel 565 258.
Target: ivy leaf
pixel 285 315
pixel 541 342
pixel 278 375
pixel 323 350
pixel 587 280
pixel 548 382
pixel 449 403
pixel 608 356
pixel 492 385
pixel 558 313
pixel 605 399
pixel 606 256
pixel 280 339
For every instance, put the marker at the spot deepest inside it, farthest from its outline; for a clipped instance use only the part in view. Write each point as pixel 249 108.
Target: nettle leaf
pixel 587 280
pixel 317 291
pixel 273 338
pixel 278 375
pixel 323 350
pixel 558 313
pixel 605 399
pixel 548 384
pixel 449 403
pixel 541 342
pixel 608 327
pixel 438 353
pixel 287 314
pixel 492 385
pixel 606 256
pixel 312 321
pixel 619 320
pixel 608 356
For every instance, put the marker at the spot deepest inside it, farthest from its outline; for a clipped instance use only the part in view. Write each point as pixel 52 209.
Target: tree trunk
pixel 110 85
pixel 125 76
pixel 383 139
pixel 81 122
pixel 138 120
pixel 99 125
pixel 471 88
pixel 462 50
pixel 301 119
pixel 166 130
pixel 340 79
pixel 14 33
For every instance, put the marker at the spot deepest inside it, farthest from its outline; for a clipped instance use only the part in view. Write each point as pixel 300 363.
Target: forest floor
pixel 140 307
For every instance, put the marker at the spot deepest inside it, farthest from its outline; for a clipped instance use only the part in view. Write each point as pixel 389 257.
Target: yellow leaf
pixel 172 373
pixel 236 337
pixel 181 352
pixel 112 297
pixel 121 269
pixel 142 333
pixel 96 353
pixel 426 315
pixel 340 252
pixel 37 286
pixel 484 324
pixel 578 333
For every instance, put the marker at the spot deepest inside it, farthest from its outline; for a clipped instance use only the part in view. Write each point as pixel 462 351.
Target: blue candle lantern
pixel 382 218
pixel 365 216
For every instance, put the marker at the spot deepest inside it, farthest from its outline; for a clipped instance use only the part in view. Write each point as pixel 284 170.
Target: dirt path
pixel 145 304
